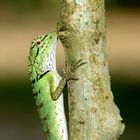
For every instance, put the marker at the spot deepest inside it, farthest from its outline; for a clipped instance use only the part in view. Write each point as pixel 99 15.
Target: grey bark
pixel 93 114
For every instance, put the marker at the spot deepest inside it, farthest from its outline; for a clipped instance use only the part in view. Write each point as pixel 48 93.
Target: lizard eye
pixel 38 43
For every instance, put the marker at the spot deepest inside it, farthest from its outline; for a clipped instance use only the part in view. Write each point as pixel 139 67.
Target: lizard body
pixel 45 80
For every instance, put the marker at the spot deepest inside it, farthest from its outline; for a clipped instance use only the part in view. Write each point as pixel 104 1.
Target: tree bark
pixel 93 114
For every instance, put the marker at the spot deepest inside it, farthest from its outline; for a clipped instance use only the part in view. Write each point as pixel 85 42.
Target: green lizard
pixel 48 85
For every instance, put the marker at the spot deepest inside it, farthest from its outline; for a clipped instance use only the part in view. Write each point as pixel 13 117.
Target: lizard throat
pixel 51 62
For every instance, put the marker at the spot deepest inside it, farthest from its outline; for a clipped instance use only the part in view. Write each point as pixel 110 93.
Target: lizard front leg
pixel 67 75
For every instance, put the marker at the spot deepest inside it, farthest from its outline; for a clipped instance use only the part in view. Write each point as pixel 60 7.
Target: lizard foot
pixel 70 70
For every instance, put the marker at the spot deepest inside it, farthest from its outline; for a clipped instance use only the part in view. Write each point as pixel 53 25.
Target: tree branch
pixel 93 114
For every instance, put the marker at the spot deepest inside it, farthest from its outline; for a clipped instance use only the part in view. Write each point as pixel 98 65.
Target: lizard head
pixel 42 54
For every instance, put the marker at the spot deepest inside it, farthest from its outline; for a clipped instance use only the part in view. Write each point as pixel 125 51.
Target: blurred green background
pixel 21 20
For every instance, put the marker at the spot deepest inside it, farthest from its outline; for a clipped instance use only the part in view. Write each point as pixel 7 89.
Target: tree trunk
pixel 93 114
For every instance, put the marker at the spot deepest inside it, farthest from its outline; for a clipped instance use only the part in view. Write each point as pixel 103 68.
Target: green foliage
pixel 111 3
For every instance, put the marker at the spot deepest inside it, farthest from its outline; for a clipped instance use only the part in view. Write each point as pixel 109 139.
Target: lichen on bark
pixel 93 114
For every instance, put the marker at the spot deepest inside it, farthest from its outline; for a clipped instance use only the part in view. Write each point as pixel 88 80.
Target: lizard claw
pixel 79 63
pixel 69 70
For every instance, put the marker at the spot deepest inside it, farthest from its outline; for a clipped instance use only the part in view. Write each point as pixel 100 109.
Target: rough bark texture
pixel 93 114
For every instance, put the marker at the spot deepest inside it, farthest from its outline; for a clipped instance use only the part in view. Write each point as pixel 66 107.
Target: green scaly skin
pixel 45 79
